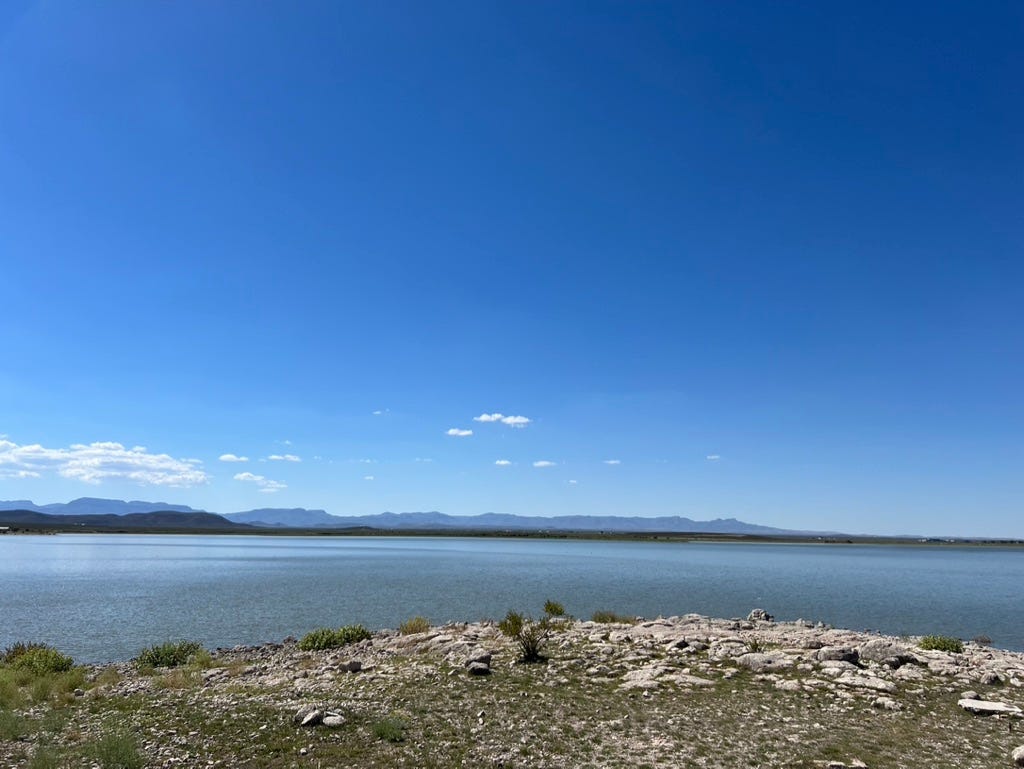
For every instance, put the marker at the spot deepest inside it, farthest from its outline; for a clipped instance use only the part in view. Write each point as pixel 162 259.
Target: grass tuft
pixel 942 643
pixel 116 750
pixel 170 654
pixel 37 659
pixel 610 617
pixel 332 638
pixel 414 625
pixel 389 730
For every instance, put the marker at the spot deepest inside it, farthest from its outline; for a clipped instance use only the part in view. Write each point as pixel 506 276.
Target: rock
pixel 1018 756
pixel 991 678
pixel 478 655
pixel 79 692
pixel 352 666
pixel 334 720
pixel 308 715
pixel 478 669
pixel 886 652
pixel 970 694
pixel 986 708
pixel 763 663
pixel 886 703
pixel 837 654
pixel 861 681
pixel 759 615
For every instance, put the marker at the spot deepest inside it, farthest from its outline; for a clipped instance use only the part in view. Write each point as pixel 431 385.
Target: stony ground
pixel 678 692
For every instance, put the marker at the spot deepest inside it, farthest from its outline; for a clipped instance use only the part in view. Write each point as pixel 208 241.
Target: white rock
pixel 986 708
pixel 1018 756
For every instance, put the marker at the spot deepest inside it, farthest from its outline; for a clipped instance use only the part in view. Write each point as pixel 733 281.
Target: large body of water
pixel 104 597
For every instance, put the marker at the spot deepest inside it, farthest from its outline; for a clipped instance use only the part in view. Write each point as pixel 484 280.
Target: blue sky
pixel 728 259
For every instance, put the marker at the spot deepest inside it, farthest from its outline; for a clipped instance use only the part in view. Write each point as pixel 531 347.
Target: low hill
pixel 165 520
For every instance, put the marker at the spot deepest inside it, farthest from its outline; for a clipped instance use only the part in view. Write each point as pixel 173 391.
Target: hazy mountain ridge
pixel 305 518
pixel 164 519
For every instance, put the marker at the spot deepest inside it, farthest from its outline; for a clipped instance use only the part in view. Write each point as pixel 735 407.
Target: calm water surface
pixel 103 597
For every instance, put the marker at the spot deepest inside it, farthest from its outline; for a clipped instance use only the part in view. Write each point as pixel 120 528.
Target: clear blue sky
pixel 760 260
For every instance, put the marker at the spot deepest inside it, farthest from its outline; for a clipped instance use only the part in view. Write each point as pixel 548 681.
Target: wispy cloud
pixel 572 482
pixel 511 421
pixel 367 477
pixel 96 462
pixel 424 460
pixel 713 457
pixel 613 461
pixel 458 432
pixel 502 462
pixel 544 463
pixel 266 486
pixel 284 458
pixel 232 458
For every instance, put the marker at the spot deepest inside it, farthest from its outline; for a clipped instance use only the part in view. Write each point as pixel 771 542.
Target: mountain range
pixel 118 512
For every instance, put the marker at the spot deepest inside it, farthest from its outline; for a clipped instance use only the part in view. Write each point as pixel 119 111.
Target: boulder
pixel 478 669
pixel 478 655
pixel 887 653
pixel 837 654
pixel 1018 756
pixel 759 615
pixel 308 715
pixel 764 663
pixel 986 708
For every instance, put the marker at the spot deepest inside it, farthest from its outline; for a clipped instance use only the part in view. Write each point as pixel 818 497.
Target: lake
pixel 103 597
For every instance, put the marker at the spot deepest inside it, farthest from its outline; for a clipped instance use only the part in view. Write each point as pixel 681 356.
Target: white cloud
pixel 367 477
pixel 95 462
pixel 613 461
pixel 544 463
pixel 284 458
pixel 713 457
pixel 512 421
pixel 367 461
pixel 266 485
pixel 502 462
pixel 378 413
pixel 232 458
pixel 423 459
pixel 572 482
pixel 458 433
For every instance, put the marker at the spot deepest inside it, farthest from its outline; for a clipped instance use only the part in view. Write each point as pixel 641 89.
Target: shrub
pixel 389 730
pixel 170 654
pixel 37 659
pixel 414 625
pixel 554 609
pixel 116 750
pixel 942 643
pixel 328 638
pixel 982 640
pixel 529 634
pixel 12 726
pixel 611 617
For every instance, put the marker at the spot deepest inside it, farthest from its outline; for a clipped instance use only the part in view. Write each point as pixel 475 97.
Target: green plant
pixel 116 750
pixel 529 634
pixel 12 726
pixel 44 758
pixel 554 609
pixel 170 654
pixel 38 659
pixel 330 638
pixel 389 729
pixel 942 643
pixel 611 617
pixel 414 625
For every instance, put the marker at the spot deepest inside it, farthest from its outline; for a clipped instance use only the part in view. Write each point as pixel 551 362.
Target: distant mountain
pixel 302 518
pixel 95 506
pixel 298 517
pixel 164 520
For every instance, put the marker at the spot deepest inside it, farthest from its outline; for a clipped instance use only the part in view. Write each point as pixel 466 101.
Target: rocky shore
pixel 688 691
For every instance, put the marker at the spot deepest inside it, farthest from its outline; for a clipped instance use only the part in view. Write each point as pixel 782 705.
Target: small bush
pixel 389 730
pixel 169 655
pixel 414 625
pixel 982 640
pixel 611 617
pixel 554 609
pixel 38 659
pixel 530 635
pixel 44 758
pixel 12 726
pixel 942 643
pixel 329 638
pixel 116 750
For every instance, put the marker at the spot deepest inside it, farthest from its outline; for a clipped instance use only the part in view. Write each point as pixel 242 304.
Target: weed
pixel 37 659
pixel 942 643
pixel 611 617
pixel 12 726
pixel 554 609
pixel 44 758
pixel 389 730
pixel 170 654
pixel 414 625
pixel 328 638
pixel 116 750
pixel 529 634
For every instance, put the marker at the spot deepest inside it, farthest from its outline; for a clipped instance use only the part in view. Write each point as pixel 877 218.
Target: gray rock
pixel 334 720
pixel 1018 756
pixel 991 678
pixel 764 663
pixel 970 694
pixel 759 615
pixel 986 708
pixel 886 703
pixel 308 715
pixel 837 654
pixel 887 653
pixel 478 669
pixel 353 666
pixel 478 655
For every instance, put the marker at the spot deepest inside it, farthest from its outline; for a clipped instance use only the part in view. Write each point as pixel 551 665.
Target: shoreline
pixel 677 691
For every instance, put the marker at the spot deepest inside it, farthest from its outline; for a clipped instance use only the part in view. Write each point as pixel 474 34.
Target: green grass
pixel 332 638
pixel 414 625
pixel 942 643
pixel 170 654
pixel 389 730
pixel 38 659
pixel 611 617
pixel 116 750
pixel 12 725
